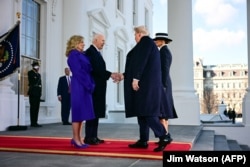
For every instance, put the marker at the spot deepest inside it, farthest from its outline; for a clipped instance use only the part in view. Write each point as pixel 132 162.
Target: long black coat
pixel 143 63
pixel 100 75
pixel 167 106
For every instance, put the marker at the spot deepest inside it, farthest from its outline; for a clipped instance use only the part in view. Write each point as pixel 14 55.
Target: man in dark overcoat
pixel 143 87
pixel 34 92
pixel 63 95
pixel 101 76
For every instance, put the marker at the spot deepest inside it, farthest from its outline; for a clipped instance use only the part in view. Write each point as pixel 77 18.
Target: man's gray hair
pixel 141 29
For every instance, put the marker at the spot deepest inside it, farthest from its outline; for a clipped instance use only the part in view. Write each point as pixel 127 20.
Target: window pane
pixel 30 28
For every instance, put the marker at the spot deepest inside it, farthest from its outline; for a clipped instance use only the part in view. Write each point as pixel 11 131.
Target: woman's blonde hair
pixel 73 42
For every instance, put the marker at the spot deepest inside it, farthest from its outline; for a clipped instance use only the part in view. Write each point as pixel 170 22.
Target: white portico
pixel 60 19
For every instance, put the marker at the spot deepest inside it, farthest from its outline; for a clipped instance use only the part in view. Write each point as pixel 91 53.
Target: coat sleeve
pixel 165 65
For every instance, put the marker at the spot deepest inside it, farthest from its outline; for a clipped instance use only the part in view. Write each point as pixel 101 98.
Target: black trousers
pixel 34 109
pixel 150 122
pixel 65 109
pixel 91 128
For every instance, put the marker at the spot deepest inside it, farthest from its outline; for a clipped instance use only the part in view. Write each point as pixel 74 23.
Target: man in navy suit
pixel 63 94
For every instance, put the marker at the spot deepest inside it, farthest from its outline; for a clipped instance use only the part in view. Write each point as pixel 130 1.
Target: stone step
pixel 205 141
pixel 233 145
pixel 220 143
pixel 245 147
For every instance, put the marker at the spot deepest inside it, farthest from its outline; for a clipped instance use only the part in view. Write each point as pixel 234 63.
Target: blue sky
pixel 219 29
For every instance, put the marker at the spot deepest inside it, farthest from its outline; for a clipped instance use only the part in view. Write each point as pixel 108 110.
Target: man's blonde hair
pixel 141 29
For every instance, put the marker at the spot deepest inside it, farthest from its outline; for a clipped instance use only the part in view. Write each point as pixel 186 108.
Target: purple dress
pixel 82 86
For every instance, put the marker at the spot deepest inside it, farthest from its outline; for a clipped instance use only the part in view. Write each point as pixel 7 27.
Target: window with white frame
pixel 30 35
pixel 30 40
pixel 208 74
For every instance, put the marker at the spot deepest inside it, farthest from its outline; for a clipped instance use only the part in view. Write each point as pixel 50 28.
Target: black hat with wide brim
pixel 162 36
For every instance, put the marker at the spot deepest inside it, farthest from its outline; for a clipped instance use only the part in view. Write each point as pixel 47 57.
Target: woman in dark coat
pixel 167 106
pixel 142 89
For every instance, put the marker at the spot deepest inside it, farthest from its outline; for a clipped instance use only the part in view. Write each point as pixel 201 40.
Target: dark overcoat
pixel 167 106
pixel 100 75
pixel 143 63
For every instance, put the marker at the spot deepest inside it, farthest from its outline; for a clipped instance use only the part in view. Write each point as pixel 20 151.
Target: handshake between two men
pixel 117 77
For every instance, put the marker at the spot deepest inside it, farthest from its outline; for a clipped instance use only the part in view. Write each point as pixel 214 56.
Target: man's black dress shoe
pixel 139 144
pixel 91 141
pixel 66 123
pixel 100 140
pixel 36 125
pixel 162 144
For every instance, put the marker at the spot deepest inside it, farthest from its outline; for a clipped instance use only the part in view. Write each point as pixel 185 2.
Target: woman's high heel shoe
pixel 73 143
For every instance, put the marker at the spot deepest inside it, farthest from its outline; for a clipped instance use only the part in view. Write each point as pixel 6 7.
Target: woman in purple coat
pixel 82 86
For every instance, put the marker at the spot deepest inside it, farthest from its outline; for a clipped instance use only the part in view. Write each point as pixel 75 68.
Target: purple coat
pixel 82 86
pixel 143 63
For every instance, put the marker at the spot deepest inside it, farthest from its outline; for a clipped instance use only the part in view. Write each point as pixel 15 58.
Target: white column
pixel 246 100
pixel 180 30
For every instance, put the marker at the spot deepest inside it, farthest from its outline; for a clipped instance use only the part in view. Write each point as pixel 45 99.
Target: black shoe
pixel 36 125
pixel 139 144
pixel 100 140
pixel 91 141
pixel 168 137
pixel 66 123
pixel 163 143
